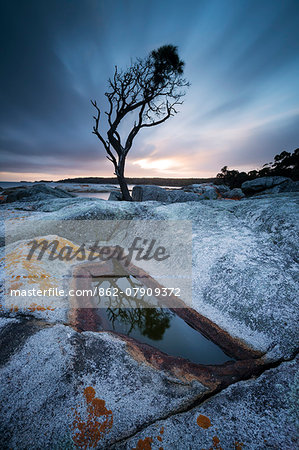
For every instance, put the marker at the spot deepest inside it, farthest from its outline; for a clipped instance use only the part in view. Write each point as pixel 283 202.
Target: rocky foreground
pixel 62 388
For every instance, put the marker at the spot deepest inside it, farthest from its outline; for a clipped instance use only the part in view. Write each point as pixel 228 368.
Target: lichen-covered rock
pixel 178 196
pixel 62 389
pixel 115 196
pixel 33 193
pixel 255 414
pixel 245 257
pixel 212 192
pixel 223 190
pixel 291 186
pixel 270 185
pixel 205 191
pixel 156 193
pixel 245 268
pixel 86 187
pixel 235 194
pixel 23 274
pixel 145 193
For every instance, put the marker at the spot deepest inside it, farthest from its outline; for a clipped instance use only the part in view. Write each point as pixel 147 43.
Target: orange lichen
pixel 34 269
pixel 15 285
pixel 216 444
pixel 203 421
pixel 33 307
pixel 14 308
pixel 16 260
pixel 87 434
pixel 89 394
pixel 144 444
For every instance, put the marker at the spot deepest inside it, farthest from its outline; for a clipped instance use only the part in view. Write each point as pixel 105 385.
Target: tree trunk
pixel 123 184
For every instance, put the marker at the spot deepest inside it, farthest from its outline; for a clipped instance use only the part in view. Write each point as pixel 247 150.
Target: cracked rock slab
pixel 255 414
pixel 59 380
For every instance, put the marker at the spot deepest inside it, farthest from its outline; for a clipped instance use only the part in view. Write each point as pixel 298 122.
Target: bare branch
pixel 158 122
pixel 96 126
pixel 151 89
pixel 95 131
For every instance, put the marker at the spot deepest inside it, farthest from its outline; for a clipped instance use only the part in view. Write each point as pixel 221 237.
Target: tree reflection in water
pixel 133 312
pixel 151 322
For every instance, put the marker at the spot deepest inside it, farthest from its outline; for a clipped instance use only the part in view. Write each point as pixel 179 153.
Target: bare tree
pixel 151 89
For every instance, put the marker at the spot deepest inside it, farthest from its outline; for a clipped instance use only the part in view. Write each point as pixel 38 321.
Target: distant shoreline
pixel 176 182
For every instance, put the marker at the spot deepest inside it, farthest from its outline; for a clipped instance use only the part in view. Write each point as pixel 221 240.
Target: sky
pixel 241 58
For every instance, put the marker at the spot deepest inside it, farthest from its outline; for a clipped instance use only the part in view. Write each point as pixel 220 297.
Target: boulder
pixel 213 192
pixel 33 193
pixel 270 185
pixel 223 190
pixel 88 188
pixel 208 192
pixel 235 194
pixel 143 193
pixel 204 190
pixel 178 196
pixel 291 186
pixel 115 196
pixel 147 193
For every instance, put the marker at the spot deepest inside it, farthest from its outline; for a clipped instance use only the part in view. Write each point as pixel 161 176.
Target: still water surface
pixel 158 327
